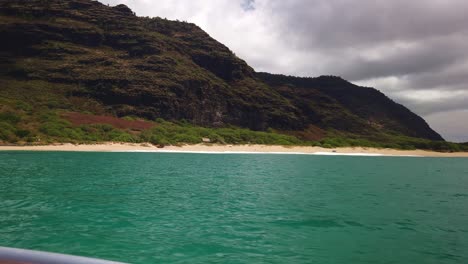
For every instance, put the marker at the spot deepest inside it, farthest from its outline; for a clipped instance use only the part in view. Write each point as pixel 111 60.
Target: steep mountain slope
pixel 136 66
pixel 363 108
pixel 83 56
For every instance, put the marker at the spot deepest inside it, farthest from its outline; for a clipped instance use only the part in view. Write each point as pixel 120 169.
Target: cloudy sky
pixel 415 51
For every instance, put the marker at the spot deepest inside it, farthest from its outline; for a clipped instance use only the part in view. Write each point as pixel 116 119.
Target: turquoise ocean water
pixel 250 208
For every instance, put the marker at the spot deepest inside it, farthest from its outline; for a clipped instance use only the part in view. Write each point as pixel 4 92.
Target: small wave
pixel 320 223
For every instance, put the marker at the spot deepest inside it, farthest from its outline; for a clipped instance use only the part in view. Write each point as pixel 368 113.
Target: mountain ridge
pixel 90 57
pixel 383 109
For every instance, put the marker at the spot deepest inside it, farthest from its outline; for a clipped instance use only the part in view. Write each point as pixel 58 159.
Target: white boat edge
pixel 25 256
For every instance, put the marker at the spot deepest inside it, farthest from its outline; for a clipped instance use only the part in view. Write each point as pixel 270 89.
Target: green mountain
pixel 330 101
pixel 63 63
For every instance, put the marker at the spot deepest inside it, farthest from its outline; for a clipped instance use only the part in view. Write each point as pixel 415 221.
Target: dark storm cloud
pixel 366 23
pixel 414 51
pixel 248 5
pixel 457 103
pixel 401 61
pixel 453 79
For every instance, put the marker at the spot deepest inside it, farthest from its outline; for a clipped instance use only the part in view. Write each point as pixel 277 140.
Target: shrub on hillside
pixel 10 117
pixel 7 131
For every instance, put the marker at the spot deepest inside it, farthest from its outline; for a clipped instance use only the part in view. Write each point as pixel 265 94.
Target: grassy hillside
pixel 81 71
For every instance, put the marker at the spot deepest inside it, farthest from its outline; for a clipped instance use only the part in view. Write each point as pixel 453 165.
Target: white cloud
pixel 452 124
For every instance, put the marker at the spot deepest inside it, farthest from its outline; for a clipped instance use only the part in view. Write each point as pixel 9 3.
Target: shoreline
pixel 233 149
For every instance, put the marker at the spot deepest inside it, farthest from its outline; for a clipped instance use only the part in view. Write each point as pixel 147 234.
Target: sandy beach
pixel 213 148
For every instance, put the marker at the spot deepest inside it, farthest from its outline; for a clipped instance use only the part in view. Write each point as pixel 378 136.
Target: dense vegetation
pixel 80 56
pixel 54 129
pixel 18 125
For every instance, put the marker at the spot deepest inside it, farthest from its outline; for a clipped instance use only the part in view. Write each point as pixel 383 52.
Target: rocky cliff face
pixel 155 68
pixel 333 102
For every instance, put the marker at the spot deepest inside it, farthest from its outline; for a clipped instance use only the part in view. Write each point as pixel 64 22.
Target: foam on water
pixel 268 152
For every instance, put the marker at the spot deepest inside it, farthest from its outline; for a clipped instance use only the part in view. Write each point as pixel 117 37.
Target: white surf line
pixel 215 152
pixel 268 152
pixel 362 154
pixel 349 154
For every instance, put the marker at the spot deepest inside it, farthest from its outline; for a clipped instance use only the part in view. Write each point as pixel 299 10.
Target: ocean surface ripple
pixel 179 208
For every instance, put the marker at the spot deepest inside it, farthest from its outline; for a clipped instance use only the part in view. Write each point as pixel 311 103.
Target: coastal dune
pixel 214 148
